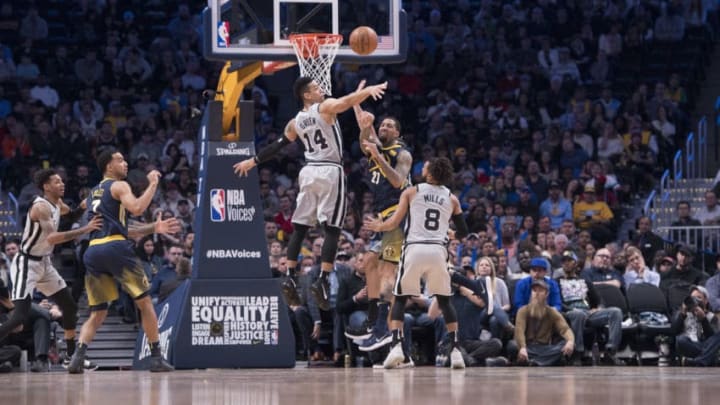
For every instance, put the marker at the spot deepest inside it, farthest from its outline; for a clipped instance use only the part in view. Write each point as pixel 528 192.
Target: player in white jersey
pixel 32 267
pixel 322 181
pixel 429 208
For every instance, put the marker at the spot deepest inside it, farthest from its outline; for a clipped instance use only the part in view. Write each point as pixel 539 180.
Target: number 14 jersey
pixel 322 141
pixel 429 215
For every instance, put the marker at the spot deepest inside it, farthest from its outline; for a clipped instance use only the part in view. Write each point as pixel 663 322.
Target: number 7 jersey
pixel 322 141
pixel 429 215
pixel 114 215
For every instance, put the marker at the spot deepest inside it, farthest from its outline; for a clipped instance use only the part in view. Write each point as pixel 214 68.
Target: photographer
pixel 697 338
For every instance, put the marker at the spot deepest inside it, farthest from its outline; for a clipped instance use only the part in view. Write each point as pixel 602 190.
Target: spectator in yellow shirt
pixel 594 215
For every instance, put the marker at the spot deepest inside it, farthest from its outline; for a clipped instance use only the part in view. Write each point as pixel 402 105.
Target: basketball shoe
pixel 395 358
pixel 456 359
pixel 320 290
pixel 363 331
pixel 289 292
pixel 87 363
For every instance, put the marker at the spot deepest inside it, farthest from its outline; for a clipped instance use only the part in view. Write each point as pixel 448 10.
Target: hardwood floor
pixel 423 385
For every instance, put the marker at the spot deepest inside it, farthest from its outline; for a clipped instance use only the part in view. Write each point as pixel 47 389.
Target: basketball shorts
pixel 30 272
pixel 321 198
pixel 110 263
pixel 388 245
pixel 423 261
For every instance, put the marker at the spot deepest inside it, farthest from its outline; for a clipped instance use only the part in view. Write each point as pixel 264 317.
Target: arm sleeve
pixel 268 152
pixel 75 214
pixel 463 281
pixel 461 228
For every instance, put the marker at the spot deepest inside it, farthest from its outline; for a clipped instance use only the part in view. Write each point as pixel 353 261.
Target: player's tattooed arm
pixel 161 226
pixel 43 216
pixel 397 176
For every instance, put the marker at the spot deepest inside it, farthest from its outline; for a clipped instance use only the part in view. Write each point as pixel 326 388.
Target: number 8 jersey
pixel 429 215
pixel 322 141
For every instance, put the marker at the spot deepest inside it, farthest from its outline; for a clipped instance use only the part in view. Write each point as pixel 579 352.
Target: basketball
pixel 363 40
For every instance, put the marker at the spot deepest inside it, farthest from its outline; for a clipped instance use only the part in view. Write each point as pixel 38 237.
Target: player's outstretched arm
pixel 365 121
pixel 378 225
pixel 289 136
pixel 41 214
pixel 136 206
pixel 161 226
pixel 344 103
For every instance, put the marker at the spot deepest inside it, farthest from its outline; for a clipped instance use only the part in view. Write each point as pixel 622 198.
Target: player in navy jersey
pixel 388 174
pixel 110 257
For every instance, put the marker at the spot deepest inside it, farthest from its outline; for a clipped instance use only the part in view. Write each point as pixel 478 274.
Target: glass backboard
pixel 259 29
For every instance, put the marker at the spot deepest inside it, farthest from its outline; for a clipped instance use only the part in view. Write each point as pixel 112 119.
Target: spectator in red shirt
pixel 283 218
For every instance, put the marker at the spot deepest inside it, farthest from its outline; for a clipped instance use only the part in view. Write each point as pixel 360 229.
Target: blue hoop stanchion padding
pixel 231 313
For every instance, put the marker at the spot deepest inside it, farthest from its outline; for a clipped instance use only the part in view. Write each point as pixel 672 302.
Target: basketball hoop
pixel 315 54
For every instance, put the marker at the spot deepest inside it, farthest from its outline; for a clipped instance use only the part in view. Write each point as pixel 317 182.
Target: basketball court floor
pixel 423 385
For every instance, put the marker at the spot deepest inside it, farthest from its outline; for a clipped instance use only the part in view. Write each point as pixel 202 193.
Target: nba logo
pixel 217 205
pixel 223 34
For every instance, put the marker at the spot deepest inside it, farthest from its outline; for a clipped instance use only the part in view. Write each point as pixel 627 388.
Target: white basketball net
pixel 315 54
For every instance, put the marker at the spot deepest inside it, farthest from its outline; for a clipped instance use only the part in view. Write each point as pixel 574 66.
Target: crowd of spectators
pixel 79 75
pixel 555 114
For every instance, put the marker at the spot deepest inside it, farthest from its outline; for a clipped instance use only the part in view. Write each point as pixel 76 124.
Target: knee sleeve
pixel 67 305
pixel 398 309
pixel 17 316
pixel 448 310
pixel 295 243
pixel 329 248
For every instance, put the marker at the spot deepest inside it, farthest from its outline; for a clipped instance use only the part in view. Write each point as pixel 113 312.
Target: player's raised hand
pixel 361 85
pixel 167 226
pixel 242 168
pixel 366 120
pixel 94 224
pixel 371 148
pixel 373 223
pixel 377 91
pixel 154 177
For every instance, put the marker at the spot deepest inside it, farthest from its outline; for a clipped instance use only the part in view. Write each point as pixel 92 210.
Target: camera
pixel 208 94
pixel 691 302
